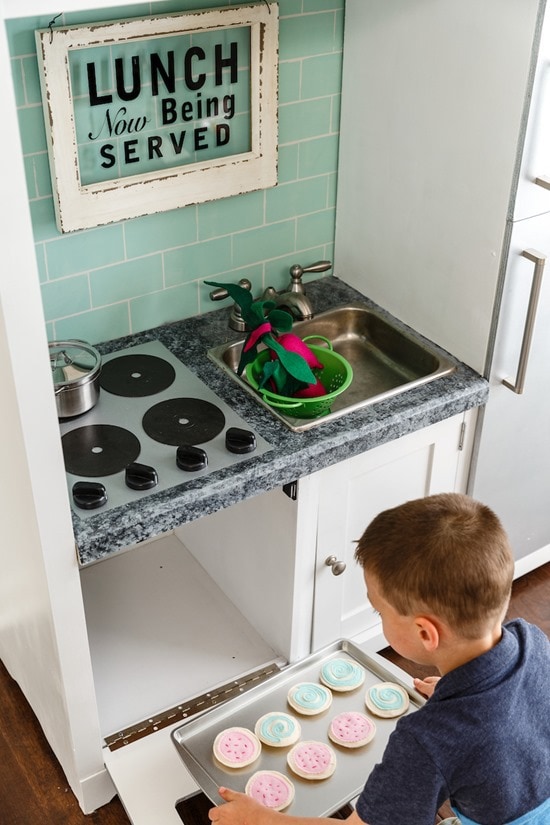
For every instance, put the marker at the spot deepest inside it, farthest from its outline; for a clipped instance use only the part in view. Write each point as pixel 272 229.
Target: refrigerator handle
pixel 539 260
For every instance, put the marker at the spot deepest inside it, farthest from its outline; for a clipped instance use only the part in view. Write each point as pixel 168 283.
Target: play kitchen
pixel 129 619
pixel 218 548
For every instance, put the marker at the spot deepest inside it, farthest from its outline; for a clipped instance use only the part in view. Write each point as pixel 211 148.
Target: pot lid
pixel 73 362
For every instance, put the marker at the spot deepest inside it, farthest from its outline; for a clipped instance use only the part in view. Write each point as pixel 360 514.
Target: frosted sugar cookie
pixel 236 747
pixel 342 675
pixel 271 789
pixel 309 698
pixel 387 699
pixel 277 729
pixel 351 729
pixel 312 760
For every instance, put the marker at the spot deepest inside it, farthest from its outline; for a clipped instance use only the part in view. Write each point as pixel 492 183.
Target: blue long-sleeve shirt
pixel 482 740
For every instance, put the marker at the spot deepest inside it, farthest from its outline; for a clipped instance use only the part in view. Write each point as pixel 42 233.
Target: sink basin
pixel 386 359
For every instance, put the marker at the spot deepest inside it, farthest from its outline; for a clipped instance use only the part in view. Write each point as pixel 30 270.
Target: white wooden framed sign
pixel 149 114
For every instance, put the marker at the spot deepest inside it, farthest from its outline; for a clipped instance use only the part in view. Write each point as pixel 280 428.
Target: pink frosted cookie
pixel 351 729
pixel 271 789
pixel 387 699
pixel 312 760
pixel 309 698
pixel 342 675
pixel 236 747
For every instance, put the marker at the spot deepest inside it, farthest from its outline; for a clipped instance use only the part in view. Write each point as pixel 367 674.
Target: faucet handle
pixel 296 272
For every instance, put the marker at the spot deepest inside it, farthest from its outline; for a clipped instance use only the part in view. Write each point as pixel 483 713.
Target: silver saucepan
pixel 76 366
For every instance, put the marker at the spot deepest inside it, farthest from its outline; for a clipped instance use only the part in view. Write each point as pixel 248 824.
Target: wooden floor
pixel 33 790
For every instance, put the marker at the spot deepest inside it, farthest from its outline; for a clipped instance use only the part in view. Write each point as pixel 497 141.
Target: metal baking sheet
pixel 313 798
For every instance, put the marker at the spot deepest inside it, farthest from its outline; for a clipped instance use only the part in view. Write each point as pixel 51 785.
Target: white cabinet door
pixel 352 493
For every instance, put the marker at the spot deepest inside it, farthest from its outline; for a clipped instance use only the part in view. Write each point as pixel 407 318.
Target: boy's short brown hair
pixel 445 554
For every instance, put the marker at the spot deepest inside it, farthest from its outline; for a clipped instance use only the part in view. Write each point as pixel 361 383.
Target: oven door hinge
pixel 291 490
pixel 191 707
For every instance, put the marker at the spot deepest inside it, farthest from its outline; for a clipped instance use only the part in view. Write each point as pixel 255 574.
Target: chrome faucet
pixel 293 299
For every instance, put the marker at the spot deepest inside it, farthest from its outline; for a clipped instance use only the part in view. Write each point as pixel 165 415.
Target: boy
pixel 439 571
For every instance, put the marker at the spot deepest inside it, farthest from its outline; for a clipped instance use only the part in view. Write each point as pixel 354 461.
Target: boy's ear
pixel 428 632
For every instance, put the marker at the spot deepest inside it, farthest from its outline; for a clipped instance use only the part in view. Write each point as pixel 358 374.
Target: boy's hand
pixel 426 686
pixel 239 810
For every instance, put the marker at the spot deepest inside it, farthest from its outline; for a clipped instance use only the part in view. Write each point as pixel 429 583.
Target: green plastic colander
pixel 336 376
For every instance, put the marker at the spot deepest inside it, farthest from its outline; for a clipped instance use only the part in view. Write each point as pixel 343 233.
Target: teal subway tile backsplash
pixel 96 325
pixel 165 306
pixel 123 281
pixel 73 295
pixel 124 277
pixel 85 250
pixel 154 233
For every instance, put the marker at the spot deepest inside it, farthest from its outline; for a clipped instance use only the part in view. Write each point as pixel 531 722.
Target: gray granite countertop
pixel 292 456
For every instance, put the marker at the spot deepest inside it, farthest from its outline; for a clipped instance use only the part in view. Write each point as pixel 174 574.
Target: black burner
pixel 135 376
pixel 99 450
pixel 183 421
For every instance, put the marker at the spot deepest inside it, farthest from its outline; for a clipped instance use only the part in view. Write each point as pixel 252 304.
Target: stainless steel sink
pixel 386 359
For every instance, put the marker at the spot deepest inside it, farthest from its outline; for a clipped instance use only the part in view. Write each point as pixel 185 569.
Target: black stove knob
pixel 191 458
pixel 89 495
pixel 240 441
pixel 140 476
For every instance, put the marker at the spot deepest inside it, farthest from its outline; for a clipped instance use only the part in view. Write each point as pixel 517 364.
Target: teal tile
pixel 323 5
pixel 164 230
pixel 66 297
pixel 37 170
pixel 306 35
pixel 140 276
pixel 307 119
pixel 290 74
pixel 288 162
pixel 96 325
pixel 321 75
pixel 28 163
pixel 42 175
pixel 43 220
pixel 293 199
pixel 164 307
pixel 82 251
pixel 197 261
pixel 230 215
pixel 335 116
pixel 260 244
pixel 20 31
pixel 288 7
pixel 318 156
pixel 315 229
pixel 31 124
pixel 18 81
pixel 33 92
pixel 41 262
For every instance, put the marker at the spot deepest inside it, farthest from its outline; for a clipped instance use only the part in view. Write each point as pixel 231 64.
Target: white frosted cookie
pixel 278 729
pixel 342 675
pixel 236 747
pixel 271 789
pixel 312 760
pixel 387 699
pixel 351 729
pixel 309 698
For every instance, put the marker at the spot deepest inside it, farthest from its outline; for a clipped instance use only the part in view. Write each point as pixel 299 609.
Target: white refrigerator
pixel 512 470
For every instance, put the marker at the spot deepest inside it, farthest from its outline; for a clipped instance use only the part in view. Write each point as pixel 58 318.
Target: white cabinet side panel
pixel 432 103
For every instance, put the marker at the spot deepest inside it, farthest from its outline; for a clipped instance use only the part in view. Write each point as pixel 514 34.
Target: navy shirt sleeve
pixel 405 786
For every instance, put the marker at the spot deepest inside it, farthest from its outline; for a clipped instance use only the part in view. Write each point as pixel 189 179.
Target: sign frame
pixel 81 205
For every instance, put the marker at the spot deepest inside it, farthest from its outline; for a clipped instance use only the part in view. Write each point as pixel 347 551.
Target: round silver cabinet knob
pixel 338 567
